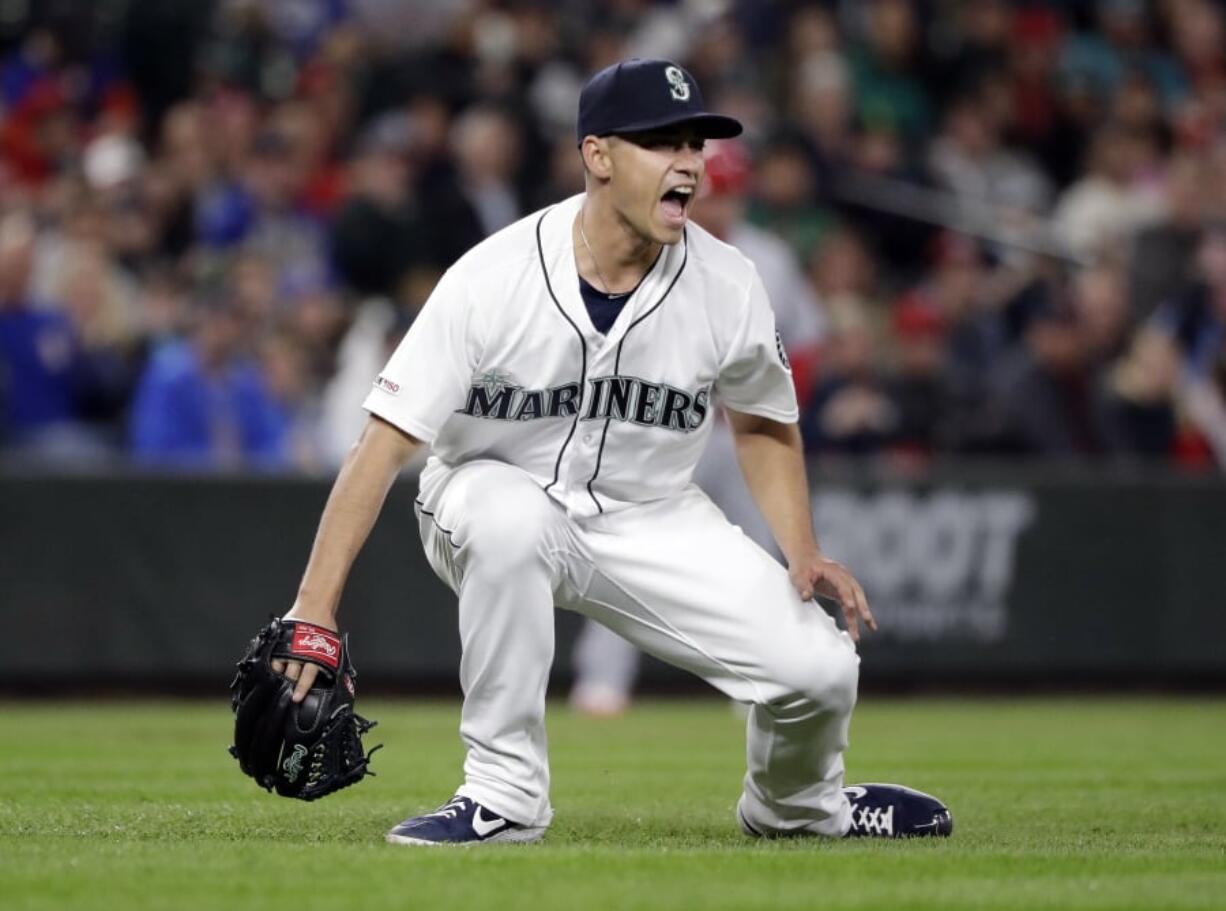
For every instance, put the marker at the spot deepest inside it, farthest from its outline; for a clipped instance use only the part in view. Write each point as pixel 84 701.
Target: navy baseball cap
pixel 638 95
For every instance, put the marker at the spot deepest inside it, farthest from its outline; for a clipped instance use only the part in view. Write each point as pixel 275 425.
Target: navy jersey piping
pixel 557 465
pixel 617 363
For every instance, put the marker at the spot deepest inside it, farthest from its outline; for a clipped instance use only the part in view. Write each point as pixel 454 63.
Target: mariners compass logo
pixel 679 88
pixel 494 382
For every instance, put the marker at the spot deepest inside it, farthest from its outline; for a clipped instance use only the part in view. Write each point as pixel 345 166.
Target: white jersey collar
pixel 557 256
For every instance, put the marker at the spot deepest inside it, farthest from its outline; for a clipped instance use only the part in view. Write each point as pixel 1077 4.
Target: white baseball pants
pixel 676 579
pixel 606 663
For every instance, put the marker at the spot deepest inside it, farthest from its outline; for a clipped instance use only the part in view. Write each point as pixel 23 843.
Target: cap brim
pixel 710 126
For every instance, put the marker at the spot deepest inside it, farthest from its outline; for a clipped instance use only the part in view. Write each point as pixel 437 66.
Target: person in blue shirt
pixel 202 402
pixel 39 362
pixel 45 377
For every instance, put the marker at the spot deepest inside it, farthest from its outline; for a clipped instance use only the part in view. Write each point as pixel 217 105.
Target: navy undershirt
pixel 602 308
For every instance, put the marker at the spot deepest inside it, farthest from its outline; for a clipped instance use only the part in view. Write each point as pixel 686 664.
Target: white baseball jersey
pixel 503 363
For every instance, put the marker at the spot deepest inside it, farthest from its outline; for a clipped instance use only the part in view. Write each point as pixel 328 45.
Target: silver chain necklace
pixel 592 253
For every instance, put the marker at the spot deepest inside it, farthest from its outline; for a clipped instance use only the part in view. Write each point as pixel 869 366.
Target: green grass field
pixel 1058 804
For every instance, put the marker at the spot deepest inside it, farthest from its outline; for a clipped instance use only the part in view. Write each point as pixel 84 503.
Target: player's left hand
pixel 814 575
pixel 303 673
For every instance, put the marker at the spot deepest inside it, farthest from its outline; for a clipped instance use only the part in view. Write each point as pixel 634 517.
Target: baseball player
pixel 564 373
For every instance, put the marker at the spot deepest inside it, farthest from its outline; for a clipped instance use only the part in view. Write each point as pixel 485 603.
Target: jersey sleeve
pixel 428 375
pixel 755 376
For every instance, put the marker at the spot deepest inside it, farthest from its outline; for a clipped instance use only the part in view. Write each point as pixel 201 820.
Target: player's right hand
pixel 303 673
pixel 814 574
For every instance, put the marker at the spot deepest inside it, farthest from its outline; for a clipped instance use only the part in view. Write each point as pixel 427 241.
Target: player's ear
pixel 596 160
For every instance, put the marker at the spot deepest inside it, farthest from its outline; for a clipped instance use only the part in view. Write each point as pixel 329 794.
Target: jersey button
pixel 589 437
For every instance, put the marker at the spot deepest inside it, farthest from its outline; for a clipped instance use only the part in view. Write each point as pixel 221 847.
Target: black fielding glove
pixel 306 749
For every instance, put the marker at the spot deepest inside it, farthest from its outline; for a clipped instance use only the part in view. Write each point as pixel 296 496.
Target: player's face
pixel 655 177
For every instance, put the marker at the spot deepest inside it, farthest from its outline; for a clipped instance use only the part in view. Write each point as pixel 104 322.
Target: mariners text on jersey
pixel 618 398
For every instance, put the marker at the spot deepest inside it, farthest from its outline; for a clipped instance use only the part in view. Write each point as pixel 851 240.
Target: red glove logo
pixel 316 642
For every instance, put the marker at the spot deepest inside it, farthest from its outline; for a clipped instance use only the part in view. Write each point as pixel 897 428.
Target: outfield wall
pixel 977 576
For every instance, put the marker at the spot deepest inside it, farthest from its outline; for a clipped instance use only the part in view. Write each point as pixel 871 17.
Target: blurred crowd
pixel 988 228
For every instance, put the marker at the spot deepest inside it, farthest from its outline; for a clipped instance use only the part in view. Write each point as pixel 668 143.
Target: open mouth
pixel 675 202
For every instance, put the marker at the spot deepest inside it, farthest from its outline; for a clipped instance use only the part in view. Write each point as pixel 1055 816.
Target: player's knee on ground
pixel 829 679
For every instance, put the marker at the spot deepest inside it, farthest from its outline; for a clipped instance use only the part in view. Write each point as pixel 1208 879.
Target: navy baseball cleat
pixel 461 822
pixel 877 811
pixel 892 811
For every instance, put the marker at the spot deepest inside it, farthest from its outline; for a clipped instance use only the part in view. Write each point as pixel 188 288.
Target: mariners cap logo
pixel 678 87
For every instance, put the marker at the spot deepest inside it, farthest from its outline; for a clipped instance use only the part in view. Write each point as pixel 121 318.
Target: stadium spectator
pixel 486 147
pixel 1196 318
pixel 1043 392
pixel 786 194
pixel 378 234
pixel 1122 43
pixel 919 387
pixel 1138 399
pixel 1102 209
pixel 850 411
pixel 101 307
pixel 821 106
pixel 969 159
pixel 285 364
pixel 262 210
pixel 1195 323
pixel 454 225
pixel 203 403
pixel 978 45
pixel 48 380
pixel 1100 304
pixel 886 66
pixel 1162 255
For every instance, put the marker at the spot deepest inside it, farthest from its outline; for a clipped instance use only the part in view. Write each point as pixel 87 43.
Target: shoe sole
pixel 514 836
